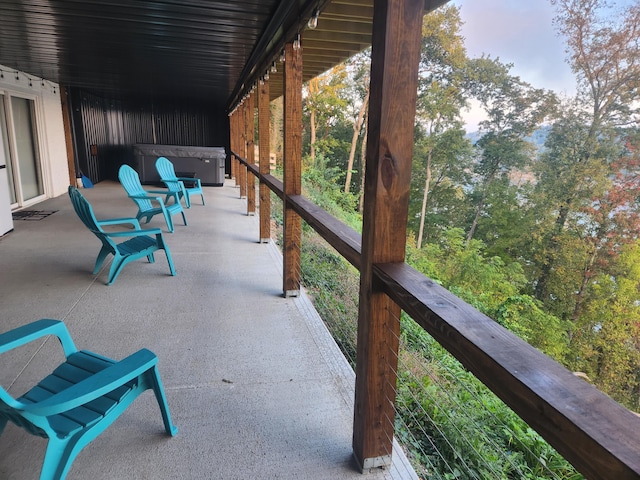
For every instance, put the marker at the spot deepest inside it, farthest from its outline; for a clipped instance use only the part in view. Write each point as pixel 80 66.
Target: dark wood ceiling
pixel 197 50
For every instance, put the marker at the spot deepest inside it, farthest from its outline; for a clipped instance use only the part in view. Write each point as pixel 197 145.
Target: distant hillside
pixel 537 138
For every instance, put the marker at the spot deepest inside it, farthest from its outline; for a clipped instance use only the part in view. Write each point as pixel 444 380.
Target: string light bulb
pixel 282 56
pixel 296 42
pixel 274 68
pixel 313 21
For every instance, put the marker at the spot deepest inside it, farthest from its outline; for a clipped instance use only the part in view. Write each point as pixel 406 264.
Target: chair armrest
pixel 35 330
pixel 135 233
pixel 121 221
pixel 192 180
pixel 148 197
pixel 96 385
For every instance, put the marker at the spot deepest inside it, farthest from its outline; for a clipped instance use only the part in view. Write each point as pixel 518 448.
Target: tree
pixel 440 96
pixel 325 106
pixel 360 66
pixel 606 340
pixel 604 52
pixel 514 110
pixel 440 162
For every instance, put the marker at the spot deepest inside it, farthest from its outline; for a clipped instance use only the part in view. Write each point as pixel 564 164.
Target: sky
pixel 519 32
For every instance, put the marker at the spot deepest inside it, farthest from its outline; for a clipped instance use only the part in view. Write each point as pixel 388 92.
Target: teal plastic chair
pixel 178 185
pixel 140 243
pixel 130 181
pixel 80 398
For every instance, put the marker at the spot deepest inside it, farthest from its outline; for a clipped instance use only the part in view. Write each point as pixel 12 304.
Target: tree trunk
pixel 312 142
pixel 354 141
pixel 540 292
pixel 313 89
pixel 479 210
pixel 363 166
pixel 425 197
pixel 586 275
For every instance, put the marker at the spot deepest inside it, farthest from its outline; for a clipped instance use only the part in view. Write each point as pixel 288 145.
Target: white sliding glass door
pixel 18 135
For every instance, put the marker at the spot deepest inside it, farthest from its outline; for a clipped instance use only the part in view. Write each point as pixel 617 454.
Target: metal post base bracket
pixel 375 462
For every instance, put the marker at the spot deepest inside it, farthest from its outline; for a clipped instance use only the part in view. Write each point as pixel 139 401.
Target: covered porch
pixel 255 383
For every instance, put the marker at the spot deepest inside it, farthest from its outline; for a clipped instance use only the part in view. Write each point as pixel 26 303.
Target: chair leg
pixel 116 268
pixel 151 258
pixel 158 390
pixel 57 459
pixel 187 199
pixel 169 260
pixel 167 218
pixel 202 195
pixel 184 219
pixel 100 260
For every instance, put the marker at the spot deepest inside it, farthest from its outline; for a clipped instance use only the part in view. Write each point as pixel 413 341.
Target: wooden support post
pixel 251 155
pixel 67 124
pixel 292 182
pixel 264 151
pixel 233 120
pixel 397 29
pixel 242 169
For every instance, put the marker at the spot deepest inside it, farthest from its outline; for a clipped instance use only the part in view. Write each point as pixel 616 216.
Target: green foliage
pixel 552 258
pixel 323 185
pixel 333 285
pixel 444 158
pixel 451 425
pixel 456 427
pixel 524 316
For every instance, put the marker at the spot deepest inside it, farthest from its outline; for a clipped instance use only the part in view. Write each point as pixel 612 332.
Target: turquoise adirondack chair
pixel 80 398
pixel 141 243
pixel 177 184
pixel 130 181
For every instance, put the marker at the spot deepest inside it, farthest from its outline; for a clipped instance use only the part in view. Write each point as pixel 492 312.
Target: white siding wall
pixel 51 140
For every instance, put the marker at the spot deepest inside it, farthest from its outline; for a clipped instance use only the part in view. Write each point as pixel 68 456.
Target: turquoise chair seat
pixel 177 185
pixel 80 398
pixel 140 243
pixel 145 202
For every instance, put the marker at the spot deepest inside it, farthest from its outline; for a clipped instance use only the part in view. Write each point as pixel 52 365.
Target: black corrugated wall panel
pixel 106 130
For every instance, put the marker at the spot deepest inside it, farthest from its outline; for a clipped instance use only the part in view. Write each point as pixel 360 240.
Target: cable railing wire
pixel 419 442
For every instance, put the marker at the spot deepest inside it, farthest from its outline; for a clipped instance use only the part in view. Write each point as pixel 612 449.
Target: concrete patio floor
pixel 255 384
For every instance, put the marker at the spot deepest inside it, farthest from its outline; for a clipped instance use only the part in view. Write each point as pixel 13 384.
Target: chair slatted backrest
pixel 130 181
pixel 165 169
pixel 168 175
pixel 85 212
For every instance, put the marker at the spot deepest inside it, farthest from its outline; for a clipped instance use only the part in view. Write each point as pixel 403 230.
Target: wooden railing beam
pixel 597 435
